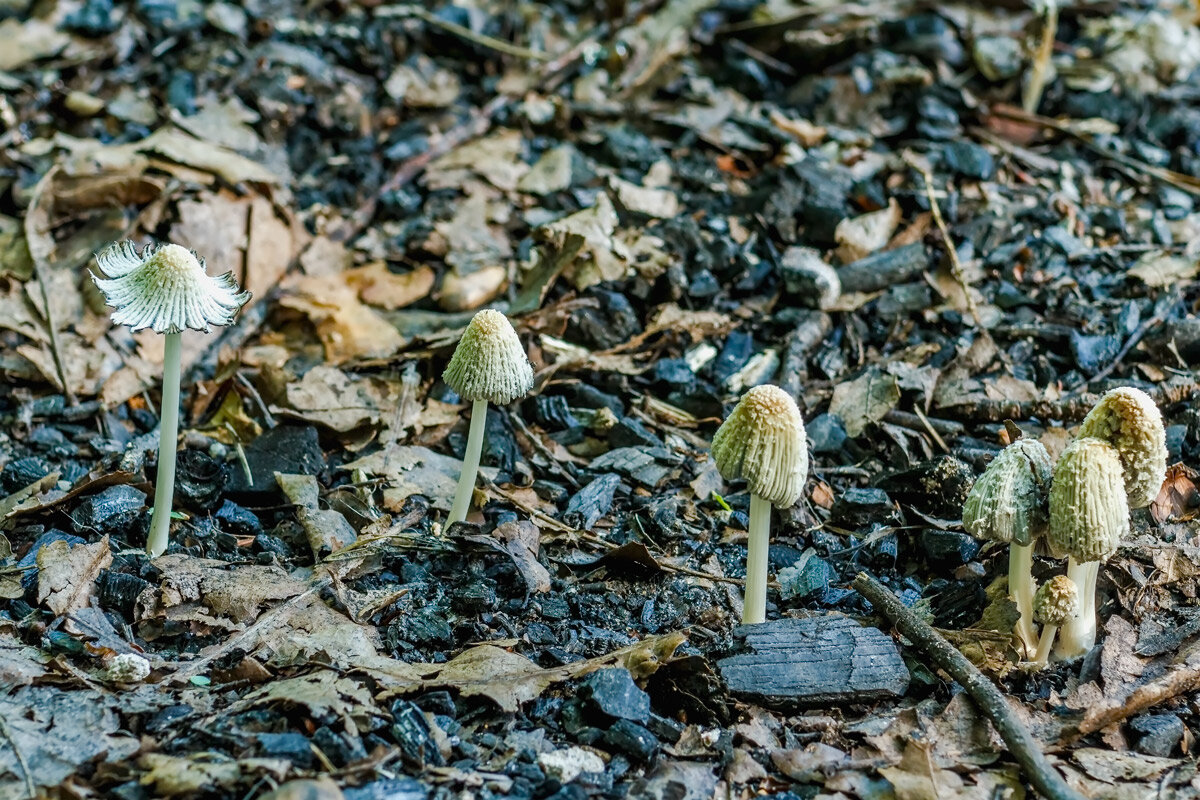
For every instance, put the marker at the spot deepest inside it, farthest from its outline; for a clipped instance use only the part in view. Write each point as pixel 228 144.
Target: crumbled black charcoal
pixel 554 607
pixel 632 739
pixel 110 512
pixel 826 434
pixel 613 322
pixel 237 520
pixel 293 747
pixel 552 412
pixel 612 692
pixel 403 788
pixel 948 548
pixel 956 604
pixel 882 550
pixel 672 373
pixel 1093 353
pixel 1156 734
pixel 582 395
pixel 199 480
pixel 165 718
pixel 884 269
pixel 629 147
pixel 809 577
pixel 630 432
pixel 339 746
pixel 20 472
pixel 286 448
pixel 969 160
pixel 52 442
pixel 120 591
pixel 413 735
pixel 273 545
pixel 937 120
pixel 735 352
pixel 474 597
pixel 592 502
pixel 855 509
pixel 927 35
pixel 937 486
pixel 649 466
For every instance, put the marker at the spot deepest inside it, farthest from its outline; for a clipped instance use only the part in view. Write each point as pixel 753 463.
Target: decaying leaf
pixel 864 400
pixel 173 776
pixel 329 397
pixel 1179 497
pixel 234 591
pixel 348 328
pixel 860 236
pixel 600 257
pixel 325 695
pixel 411 469
pixel 1158 268
pixel 380 287
pixel 67 575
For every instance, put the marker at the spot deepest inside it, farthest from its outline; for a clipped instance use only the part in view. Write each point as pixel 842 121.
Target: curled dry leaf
pixel 1179 497
pixel 67 575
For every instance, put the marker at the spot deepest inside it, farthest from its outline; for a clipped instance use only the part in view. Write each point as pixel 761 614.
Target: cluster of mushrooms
pixel 1078 507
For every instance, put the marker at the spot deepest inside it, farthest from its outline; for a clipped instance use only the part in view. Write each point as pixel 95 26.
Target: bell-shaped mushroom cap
pixel 1089 514
pixel 165 289
pixel 1128 419
pixel 1056 601
pixel 1008 502
pixel 489 362
pixel 763 441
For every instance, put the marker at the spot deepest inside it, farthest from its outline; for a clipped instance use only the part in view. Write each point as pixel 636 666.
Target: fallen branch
pixel 990 700
pixel 1177 682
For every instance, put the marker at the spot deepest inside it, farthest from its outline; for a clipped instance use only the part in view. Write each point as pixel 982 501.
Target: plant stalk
pixel 1020 587
pixel 1042 656
pixel 1078 636
pixel 470 467
pixel 754 606
pixel 168 445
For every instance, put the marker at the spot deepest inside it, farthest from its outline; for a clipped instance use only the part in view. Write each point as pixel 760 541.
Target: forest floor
pixel 673 202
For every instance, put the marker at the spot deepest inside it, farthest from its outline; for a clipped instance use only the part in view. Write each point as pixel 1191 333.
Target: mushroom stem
pixel 1042 656
pixel 1078 636
pixel 168 444
pixel 1020 586
pixel 754 607
pixel 470 467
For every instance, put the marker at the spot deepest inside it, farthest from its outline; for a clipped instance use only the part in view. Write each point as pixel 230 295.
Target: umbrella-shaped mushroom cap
pixel 763 441
pixel 165 289
pixel 489 362
pixel 1089 514
pixel 1056 601
pixel 1128 419
pixel 1008 502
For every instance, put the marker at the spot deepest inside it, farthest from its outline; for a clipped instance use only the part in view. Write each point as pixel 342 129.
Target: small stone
pixel 860 508
pixel 948 548
pixel 811 577
pixel 1156 734
pixel 128 668
pixel 613 692
pixel 237 520
pixel 112 511
pixel 632 739
pixel 969 160
pixel 568 764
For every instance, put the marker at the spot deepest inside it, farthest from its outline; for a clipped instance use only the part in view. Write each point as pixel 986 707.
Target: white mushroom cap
pixel 165 289
pixel 1128 419
pixel 1008 502
pixel 489 362
pixel 1056 601
pixel 1089 514
pixel 763 441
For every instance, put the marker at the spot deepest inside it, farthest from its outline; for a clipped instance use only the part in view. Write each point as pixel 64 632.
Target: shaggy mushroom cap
pixel 1128 419
pixel 763 441
pixel 1056 601
pixel 1089 514
pixel 165 289
pixel 489 362
pixel 1008 501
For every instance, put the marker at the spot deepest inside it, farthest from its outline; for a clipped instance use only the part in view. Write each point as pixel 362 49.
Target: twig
pixel 956 267
pixel 538 445
pixel 483 40
pixel 30 789
pixel 990 700
pixel 1068 409
pixel 1031 98
pixel 1180 681
pixel 1133 339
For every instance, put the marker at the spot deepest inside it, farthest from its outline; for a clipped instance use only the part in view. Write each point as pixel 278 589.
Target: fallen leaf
pixel 600 257
pixel 348 329
pixel 326 695
pixel 864 400
pixel 238 591
pixel 657 203
pixel 379 286
pixel 1158 269
pixel 28 41
pixel 1179 497
pixel 860 236
pixel 231 167
pixel 550 173
pixel 329 397
pixel 67 575
pixel 496 158
pixel 411 469
pixel 172 776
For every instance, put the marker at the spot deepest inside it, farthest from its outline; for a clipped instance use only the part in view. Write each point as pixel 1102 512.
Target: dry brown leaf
pixel 272 245
pixel 329 397
pixel 378 286
pixel 175 776
pixel 234 591
pixel 496 157
pixel 214 225
pixel 67 575
pixel 220 161
pixel 347 328
pixel 1179 497
pixel 865 234
pixel 28 41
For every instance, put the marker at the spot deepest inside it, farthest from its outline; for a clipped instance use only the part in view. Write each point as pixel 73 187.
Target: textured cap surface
pixel 1056 601
pixel 165 289
pixel 1089 514
pixel 1008 502
pixel 489 362
pixel 1128 419
pixel 763 441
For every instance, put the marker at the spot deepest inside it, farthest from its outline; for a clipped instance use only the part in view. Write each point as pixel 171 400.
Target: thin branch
pixel 956 267
pixel 483 40
pixel 990 700
pixel 1182 680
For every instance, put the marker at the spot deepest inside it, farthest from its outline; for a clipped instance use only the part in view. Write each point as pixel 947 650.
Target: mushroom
pixel 166 289
pixel 1055 604
pixel 1008 504
pixel 763 441
pixel 1089 515
pixel 489 365
pixel 1128 419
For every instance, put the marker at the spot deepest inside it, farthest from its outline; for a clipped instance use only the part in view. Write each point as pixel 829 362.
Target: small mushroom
pixel 763 441
pixel 489 365
pixel 1055 604
pixel 1008 504
pixel 1128 419
pixel 1089 515
pixel 166 289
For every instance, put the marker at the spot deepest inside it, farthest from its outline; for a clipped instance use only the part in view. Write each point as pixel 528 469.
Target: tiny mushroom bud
pixel 489 365
pixel 167 290
pixel 1089 515
pixel 1008 504
pixel 1128 419
pixel 1055 604
pixel 127 668
pixel 763 441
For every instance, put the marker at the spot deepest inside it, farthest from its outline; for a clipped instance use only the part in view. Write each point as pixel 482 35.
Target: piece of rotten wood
pixel 987 696
pixel 814 661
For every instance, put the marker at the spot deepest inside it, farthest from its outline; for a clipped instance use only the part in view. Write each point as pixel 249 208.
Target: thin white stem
pixel 1020 587
pixel 1078 636
pixel 168 442
pixel 1042 656
pixel 754 606
pixel 470 467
